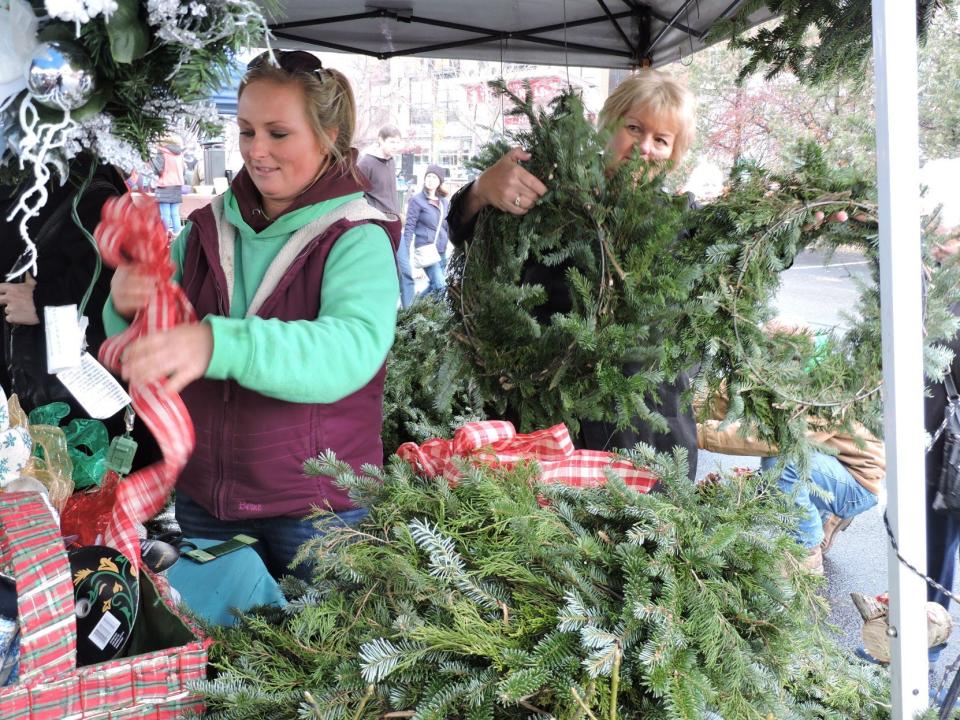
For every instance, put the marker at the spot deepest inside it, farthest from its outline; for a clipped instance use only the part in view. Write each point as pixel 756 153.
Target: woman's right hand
pixel 506 185
pixel 131 289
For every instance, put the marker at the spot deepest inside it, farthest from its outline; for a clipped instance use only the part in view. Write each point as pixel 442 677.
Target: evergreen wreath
pixel 658 283
pixel 477 601
pixel 567 367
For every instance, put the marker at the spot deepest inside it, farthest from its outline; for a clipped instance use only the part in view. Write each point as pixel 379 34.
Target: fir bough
pixel 429 390
pixel 780 380
pixel 477 601
pixel 818 41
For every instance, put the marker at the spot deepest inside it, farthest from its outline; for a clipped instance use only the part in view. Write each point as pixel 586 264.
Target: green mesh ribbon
pixel 87 442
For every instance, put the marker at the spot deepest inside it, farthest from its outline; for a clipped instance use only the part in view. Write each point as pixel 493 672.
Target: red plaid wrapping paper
pixel 45 594
pixel 131 232
pixel 51 687
pixel 496 443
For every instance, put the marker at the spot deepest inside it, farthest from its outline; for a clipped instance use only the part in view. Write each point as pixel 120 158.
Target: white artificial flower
pixel 18 40
pixel 68 10
pixel 96 135
pixel 79 11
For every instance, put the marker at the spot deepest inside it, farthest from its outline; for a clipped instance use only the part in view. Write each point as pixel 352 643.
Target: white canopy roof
pixel 597 33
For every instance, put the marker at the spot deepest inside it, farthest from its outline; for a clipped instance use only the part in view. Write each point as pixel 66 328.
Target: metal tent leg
pixel 895 53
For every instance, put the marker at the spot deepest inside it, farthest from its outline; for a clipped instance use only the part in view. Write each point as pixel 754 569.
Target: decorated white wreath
pixel 107 78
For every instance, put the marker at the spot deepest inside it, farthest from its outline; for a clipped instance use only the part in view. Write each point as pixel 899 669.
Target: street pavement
pixel 817 296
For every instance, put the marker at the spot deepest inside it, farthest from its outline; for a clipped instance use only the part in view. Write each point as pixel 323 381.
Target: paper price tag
pixel 94 388
pixel 64 337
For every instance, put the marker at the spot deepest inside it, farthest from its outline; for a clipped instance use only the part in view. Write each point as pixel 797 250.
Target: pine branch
pixel 819 41
pixel 679 598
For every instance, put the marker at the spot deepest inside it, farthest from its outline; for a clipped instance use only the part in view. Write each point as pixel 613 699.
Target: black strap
pixel 952 395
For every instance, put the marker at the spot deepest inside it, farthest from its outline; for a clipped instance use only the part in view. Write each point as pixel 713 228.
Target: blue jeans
pixel 170 214
pixel 436 277
pixel 407 290
pixel 844 496
pixel 279 537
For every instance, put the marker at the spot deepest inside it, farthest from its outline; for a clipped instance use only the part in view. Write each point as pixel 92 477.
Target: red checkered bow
pixel 131 232
pixel 496 443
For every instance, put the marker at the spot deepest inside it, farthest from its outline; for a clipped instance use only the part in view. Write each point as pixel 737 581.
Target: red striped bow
pixel 131 232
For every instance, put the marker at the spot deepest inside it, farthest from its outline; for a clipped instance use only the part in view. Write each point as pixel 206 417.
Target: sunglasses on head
pixel 293 61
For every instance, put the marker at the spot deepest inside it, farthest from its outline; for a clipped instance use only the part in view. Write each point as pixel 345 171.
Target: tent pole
pixel 895 54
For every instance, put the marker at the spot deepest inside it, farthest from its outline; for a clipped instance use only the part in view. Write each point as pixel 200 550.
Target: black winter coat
pixel 934 408
pixel 66 262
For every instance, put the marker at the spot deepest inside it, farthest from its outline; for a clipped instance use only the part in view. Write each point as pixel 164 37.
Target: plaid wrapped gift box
pixel 497 443
pixel 151 684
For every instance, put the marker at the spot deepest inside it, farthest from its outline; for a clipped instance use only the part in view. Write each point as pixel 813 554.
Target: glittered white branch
pixel 36 148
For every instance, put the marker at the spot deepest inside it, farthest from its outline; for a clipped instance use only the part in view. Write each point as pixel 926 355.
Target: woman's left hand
pixel 180 355
pixel 18 299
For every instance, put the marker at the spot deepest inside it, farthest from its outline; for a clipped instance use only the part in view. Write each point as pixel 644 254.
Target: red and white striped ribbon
pixel 131 233
pixel 496 443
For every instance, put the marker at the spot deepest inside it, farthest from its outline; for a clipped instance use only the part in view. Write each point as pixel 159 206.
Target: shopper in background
pixel 168 162
pixel 379 167
pixel 426 229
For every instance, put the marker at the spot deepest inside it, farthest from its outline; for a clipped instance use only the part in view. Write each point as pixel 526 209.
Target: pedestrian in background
pixel 848 481
pixel 379 167
pixel 426 227
pixel 168 162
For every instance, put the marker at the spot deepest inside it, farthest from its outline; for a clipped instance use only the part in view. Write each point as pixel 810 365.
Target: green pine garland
pixel 842 45
pixel 476 601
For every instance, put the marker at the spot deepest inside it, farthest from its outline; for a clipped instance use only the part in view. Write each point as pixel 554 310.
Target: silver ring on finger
pixel 516 201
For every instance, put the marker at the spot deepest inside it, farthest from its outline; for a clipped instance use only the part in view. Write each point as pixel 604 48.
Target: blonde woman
pixel 294 276
pixel 651 115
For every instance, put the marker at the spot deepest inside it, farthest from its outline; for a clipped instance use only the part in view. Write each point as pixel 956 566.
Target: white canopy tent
pixel 628 33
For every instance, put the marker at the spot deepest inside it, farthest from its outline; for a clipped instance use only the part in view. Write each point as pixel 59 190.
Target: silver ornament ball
pixel 61 75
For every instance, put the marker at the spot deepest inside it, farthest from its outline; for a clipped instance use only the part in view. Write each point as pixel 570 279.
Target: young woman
pixel 426 227
pixel 650 115
pixel 294 276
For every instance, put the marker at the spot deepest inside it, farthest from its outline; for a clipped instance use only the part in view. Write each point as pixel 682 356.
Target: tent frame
pixel 637 51
pixel 901 309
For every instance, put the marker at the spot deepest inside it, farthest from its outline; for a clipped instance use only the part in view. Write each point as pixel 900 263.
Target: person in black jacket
pixel 943 528
pixel 651 115
pixel 66 261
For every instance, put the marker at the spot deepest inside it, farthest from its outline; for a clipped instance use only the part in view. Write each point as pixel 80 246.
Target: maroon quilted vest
pixel 248 460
